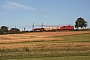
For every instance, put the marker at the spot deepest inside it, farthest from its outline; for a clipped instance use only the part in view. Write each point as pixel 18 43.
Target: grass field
pixel 70 45
pixel 58 58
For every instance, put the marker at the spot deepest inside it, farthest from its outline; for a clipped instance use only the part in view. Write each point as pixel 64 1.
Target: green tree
pixel 1 32
pixel 80 22
pixel 3 29
pixel 14 30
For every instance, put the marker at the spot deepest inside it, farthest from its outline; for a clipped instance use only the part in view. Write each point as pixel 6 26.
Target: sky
pixel 23 13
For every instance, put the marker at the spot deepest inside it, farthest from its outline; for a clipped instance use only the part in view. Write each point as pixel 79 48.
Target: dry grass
pixel 39 36
pixel 48 46
pixel 42 36
pixel 13 45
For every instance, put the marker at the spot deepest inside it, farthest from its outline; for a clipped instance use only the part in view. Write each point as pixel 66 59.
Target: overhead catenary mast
pixel 33 26
pixel 15 26
pixel 24 28
pixel 42 25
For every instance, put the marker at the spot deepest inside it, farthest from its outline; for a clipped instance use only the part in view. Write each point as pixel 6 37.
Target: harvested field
pixel 39 36
pixel 45 44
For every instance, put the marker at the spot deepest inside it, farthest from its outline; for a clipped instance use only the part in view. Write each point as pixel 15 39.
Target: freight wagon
pixel 38 29
pixel 55 28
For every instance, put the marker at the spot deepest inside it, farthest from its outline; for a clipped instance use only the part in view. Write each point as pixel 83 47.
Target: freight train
pixel 62 28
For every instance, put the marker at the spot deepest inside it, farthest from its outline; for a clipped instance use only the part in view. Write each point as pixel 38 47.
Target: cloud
pixel 45 14
pixel 12 5
pixel 42 12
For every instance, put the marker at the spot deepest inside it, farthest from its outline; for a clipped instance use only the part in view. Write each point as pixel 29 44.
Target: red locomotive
pixel 67 27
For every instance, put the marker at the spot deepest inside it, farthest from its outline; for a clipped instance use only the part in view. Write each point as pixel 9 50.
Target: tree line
pixel 5 30
pixel 80 22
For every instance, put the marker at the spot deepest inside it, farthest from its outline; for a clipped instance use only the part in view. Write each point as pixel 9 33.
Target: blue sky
pixel 22 13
